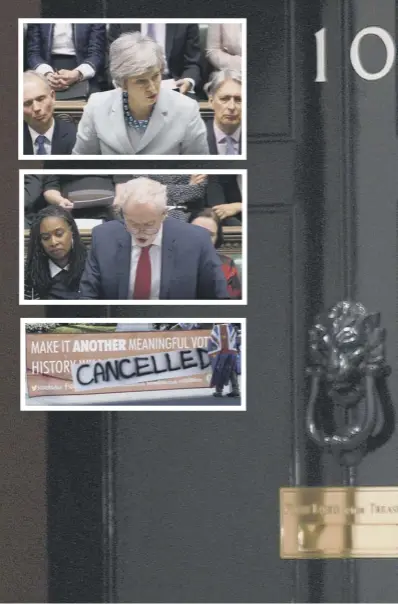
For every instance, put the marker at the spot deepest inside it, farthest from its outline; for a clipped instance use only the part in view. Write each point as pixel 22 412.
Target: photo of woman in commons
pixel 140 117
pixel 56 256
pixel 209 220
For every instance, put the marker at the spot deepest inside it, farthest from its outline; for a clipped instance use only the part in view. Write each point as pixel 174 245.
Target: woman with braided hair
pixel 56 256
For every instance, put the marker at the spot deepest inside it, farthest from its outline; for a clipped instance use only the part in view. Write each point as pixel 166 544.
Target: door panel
pixel 197 494
pixel 360 242
pixel 190 501
pixel 377 285
pixel 206 488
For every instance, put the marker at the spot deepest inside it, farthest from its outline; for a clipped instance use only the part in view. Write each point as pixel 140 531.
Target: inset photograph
pixel 155 88
pixel 144 238
pixel 195 365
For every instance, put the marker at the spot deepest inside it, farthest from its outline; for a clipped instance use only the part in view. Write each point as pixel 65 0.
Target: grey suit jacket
pixel 175 127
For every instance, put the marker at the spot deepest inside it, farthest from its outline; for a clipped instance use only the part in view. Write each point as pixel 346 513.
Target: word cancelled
pixel 137 369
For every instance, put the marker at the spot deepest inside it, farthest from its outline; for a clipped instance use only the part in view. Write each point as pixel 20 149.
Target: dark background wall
pixel 195 495
pixel 23 567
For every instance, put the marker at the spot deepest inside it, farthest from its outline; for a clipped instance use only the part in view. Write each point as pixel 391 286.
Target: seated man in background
pixel 224 196
pixel 139 117
pixel 186 193
pixel 180 45
pixel 150 257
pixel 44 134
pixel 84 196
pixel 67 53
pixel 225 97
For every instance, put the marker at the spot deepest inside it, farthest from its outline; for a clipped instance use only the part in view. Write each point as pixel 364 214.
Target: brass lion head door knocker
pixel 349 410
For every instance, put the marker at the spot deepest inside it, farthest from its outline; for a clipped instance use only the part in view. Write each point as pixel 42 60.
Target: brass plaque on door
pixel 339 522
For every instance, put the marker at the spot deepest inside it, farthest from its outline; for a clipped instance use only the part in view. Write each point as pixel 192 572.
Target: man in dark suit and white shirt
pixel 67 53
pixel 181 46
pixel 225 97
pixel 150 256
pixel 44 134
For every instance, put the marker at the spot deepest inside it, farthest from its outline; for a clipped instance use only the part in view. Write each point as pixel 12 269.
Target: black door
pixel 183 507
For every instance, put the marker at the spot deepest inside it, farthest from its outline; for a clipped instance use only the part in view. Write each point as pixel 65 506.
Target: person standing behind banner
pixel 224 45
pixel 223 348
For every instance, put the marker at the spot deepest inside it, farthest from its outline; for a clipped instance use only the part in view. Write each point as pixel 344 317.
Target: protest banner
pixel 92 363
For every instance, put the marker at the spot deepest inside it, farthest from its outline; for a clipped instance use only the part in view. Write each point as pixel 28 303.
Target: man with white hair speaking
pixel 149 256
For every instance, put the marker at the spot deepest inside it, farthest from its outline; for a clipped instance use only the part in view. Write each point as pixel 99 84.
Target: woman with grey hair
pixel 139 117
pixel 225 97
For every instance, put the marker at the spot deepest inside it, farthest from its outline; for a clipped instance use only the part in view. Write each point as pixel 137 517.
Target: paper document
pixel 91 198
pixel 87 223
pixel 88 203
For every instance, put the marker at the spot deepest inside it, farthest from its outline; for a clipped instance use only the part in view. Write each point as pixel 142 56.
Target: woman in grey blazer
pixel 140 117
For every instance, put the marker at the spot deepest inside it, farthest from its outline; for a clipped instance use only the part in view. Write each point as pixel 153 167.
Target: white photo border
pixel 114 407
pixel 242 302
pixel 241 157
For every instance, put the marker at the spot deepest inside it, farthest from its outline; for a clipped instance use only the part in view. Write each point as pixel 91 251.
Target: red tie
pixel 142 285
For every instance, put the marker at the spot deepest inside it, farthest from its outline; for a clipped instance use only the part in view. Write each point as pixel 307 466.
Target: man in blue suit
pixel 43 134
pixel 150 256
pixel 67 53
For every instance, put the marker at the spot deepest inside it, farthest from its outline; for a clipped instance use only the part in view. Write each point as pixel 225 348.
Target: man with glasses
pixel 148 256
